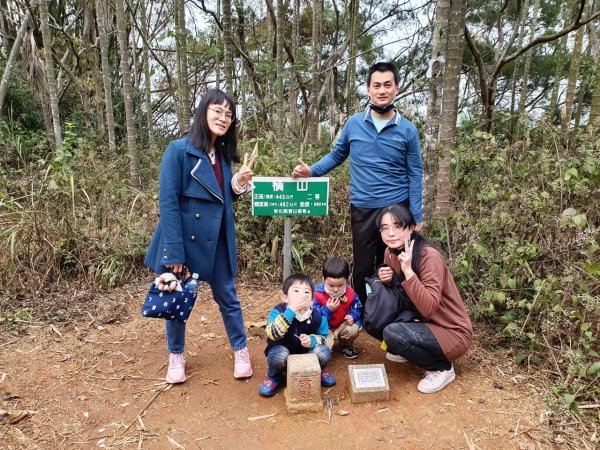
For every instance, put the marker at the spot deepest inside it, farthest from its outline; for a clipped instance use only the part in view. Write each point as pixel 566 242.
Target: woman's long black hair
pixel 199 134
pixel 405 219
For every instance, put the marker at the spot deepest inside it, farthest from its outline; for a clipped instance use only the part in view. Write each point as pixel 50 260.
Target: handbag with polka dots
pixel 169 299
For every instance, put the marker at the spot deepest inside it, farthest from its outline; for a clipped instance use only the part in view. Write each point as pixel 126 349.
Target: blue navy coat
pixel 193 210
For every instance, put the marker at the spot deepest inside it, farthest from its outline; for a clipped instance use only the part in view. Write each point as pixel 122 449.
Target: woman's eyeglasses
pixel 222 114
pixel 395 227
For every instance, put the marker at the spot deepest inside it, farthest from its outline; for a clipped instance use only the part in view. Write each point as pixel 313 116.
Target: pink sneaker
pixel 242 367
pixel 176 371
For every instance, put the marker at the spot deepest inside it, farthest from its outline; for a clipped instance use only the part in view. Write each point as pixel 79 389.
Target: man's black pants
pixel 367 247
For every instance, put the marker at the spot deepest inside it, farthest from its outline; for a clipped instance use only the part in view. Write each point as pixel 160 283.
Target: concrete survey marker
pixel 368 383
pixel 303 391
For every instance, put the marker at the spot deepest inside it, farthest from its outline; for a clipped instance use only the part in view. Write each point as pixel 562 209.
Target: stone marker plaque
pixel 368 383
pixel 303 391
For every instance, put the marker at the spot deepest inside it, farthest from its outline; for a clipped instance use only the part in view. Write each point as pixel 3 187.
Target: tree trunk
pixel 489 107
pixel 513 97
pixel 526 68
pixel 291 79
pixel 572 80
pixel 594 118
pixel 219 55
pixel 313 118
pixel 16 48
pixel 243 107
pixel 134 171
pixel 447 136
pixel 181 46
pixel 330 95
pixel 247 62
pixel 227 47
pixel 243 85
pixel 178 63
pixel 351 70
pixel 35 71
pixel 280 112
pixel 434 107
pixel 146 69
pixel 584 86
pixel 560 59
pixel 45 102
pixel 102 15
pixel 5 28
pixel 89 37
pixel 49 68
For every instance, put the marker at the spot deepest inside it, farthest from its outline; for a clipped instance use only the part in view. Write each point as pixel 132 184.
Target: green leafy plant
pixel 527 254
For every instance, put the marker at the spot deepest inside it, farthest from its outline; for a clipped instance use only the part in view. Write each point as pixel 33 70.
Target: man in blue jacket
pixel 385 168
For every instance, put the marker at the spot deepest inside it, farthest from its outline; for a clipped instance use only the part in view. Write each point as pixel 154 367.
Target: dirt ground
pixel 101 385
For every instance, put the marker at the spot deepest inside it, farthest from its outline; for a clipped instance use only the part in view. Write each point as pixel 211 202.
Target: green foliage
pixel 20 147
pixel 528 251
pixel 69 214
pixel 21 104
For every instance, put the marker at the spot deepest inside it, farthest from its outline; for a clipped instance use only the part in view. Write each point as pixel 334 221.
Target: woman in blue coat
pixel 196 226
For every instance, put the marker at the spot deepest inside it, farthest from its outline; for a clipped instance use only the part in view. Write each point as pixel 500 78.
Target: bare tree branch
pixel 551 37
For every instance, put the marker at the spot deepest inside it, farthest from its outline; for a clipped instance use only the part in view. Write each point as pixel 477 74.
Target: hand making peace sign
pixel 405 257
pixel 245 173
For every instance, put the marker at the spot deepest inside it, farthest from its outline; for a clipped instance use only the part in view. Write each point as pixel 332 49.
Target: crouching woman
pixel 446 333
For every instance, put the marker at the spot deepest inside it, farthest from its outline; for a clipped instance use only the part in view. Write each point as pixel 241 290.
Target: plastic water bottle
pixel 191 286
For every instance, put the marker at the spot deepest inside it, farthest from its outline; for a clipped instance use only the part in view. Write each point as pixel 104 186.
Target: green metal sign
pixel 285 196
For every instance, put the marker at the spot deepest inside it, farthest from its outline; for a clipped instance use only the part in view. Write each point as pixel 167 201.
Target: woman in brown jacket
pixel 445 333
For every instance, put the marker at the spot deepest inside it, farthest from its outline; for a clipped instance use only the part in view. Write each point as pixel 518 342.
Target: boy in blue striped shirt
pixel 293 327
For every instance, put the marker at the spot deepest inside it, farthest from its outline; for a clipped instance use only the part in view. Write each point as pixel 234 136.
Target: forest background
pixel 506 95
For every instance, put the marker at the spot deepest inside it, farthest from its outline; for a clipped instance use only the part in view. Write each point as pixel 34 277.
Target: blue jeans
pixel 222 284
pixel 278 355
pixel 415 342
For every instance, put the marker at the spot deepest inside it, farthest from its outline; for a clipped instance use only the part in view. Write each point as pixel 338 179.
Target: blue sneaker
pixel 327 380
pixel 268 388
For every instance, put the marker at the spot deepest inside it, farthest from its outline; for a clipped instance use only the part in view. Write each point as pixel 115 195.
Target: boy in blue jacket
pixel 293 327
pixel 340 305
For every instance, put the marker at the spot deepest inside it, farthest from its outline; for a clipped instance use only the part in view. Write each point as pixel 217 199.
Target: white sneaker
pixel 176 370
pixel 395 358
pixel 436 380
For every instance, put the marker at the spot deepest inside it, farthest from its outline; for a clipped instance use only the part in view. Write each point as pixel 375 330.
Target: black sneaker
pixel 350 352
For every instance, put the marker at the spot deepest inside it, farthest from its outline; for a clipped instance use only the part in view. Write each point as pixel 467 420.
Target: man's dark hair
pixel 299 278
pixel 336 268
pixel 383 67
